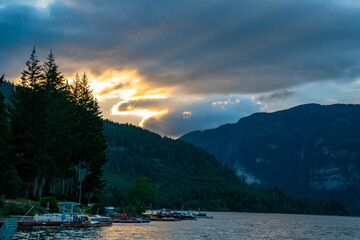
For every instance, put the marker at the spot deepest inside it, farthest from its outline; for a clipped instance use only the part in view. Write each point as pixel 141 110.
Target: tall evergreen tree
pixel 56 127
pixel 9 181
pixel 24 114
pixel 31 77
pixel 57 131
pixel 43 126
pixel 2 108
pixel 91 153
pixel 53 77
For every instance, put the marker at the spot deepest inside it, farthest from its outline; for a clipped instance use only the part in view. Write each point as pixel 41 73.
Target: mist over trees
pixel 52 138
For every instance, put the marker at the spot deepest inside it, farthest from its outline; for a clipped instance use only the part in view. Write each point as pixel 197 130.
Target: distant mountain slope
pixel 309 150
pixel 187 176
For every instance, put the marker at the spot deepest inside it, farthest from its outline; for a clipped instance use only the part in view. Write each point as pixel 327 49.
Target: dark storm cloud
pixel 278 95
pixel 203 46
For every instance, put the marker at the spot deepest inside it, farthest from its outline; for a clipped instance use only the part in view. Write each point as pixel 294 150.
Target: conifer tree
pixel 91 152
pixel 9 181
pixel 3 126
pixel 2 108
pixel 56 125
pixel 24 115
pixel 57 131
pixel 43 127
pixel 31 77
pixel 53 78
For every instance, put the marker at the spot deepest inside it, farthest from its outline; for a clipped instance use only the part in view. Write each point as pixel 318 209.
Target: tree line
pixel 182 176
pixel 52 143
pixel 51 140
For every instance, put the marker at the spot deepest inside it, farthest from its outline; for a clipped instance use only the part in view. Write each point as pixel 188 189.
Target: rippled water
pixel 223 226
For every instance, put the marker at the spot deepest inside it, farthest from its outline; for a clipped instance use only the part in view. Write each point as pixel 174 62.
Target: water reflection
pixel 223 226
pixel 139 231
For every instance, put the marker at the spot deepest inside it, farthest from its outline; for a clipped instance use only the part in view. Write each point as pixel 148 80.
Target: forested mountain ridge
pixel 52 143
pixel 310 150
pixel 187 176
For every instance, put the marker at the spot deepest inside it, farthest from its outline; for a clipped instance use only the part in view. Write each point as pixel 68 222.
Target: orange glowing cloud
pixel 186 114
pixel 130 95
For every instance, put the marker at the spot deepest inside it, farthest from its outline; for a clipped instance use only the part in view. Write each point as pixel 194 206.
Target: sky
pixel 177 66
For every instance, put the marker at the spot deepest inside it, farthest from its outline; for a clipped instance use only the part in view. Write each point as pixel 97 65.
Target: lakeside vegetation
pixel 51 136
pixel 52 143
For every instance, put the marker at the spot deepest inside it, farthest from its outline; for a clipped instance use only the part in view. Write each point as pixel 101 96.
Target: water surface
pixel 224 226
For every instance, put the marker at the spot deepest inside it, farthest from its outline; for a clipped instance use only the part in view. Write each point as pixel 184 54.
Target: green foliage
pixel 130 209
pixel 9 180
pixel 52 77
pixel 42 123
pixel 186 177
pixel 140 207
pixel 31 77
pixel 142 191
pixel 56 133
pixel 52 201
pixel 20 209
pixel 90 152
pixel 35 198
pixel 13 209
pixel 98 208
pixel 85 209
pixel 120 210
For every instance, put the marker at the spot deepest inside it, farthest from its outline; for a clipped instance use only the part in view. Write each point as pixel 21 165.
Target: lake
pixel 223 226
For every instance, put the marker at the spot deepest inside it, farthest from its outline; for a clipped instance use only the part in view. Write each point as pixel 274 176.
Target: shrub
pixel 98 208
pixel 53 207
pixel 14 209
pixel 130 209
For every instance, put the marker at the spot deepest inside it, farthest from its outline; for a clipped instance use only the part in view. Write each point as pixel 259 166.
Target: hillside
pixel 310 150
pixel 187 176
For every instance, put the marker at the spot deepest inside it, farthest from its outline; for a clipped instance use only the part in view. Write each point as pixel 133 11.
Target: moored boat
pixel 135 220
pixel 87 224
pixel 124 218
pixel 187 216
pixel 86 221
pixel 168 219
pixel 58 219
pixel 199 214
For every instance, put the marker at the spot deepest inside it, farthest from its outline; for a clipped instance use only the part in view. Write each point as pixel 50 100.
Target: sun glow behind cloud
pixel 126 87
pixel 175 77
pixel 144 113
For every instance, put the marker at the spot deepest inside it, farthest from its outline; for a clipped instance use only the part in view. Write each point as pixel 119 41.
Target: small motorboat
pixel 85 222
pixel 168 219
